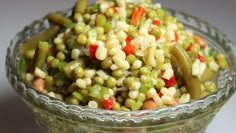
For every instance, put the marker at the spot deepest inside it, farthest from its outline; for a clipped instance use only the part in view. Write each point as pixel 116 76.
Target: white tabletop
pixel 15 117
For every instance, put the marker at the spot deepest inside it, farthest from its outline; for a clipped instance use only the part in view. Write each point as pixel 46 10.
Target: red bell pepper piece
pixel 189 47
pixel 109 103
pixel 137 14
pixel 92 51
pixel 156 22
pixel 176 37
pixel 129 47
pixel 201 58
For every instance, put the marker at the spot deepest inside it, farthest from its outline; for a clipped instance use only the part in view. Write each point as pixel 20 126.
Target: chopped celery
pixel 78 96
pixel 137 106
pixel 94 91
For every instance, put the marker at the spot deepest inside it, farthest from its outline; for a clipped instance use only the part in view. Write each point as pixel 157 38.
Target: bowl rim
pixel 81 112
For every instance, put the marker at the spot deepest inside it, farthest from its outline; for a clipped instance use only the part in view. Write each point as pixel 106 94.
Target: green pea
pixel 144 78
pixel 132 31
pixel 129 102
pixel 61 56
pixel 221 60
pixel 87 17
pixel 128 81
pixel 156 32
pixel 99 30
pixel 72 100
pixel 141 97
pixel 144 71
pixel 107 27
pixel 60 47
pixel 49 81
pixel 54 63
pixel 106 64
pixel 82 39
pixel 134 73
pixel 151 14
pixel 79 28
pixel 78 72
pixel 102 37
pixel 100 20
pixel 160 83
pixel 110 12
pixel 98 80
pixel 117 73
pixel 111 82
pixel 131 58
pixel 195 49
pixel 116 106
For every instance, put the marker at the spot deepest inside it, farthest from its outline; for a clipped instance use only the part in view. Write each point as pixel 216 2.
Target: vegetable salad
pixel 120 55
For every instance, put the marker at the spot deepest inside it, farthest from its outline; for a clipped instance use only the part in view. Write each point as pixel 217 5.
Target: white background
pixel 15 14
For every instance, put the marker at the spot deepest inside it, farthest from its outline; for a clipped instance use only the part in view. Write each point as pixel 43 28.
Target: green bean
pixel 185 63
pixel 80 6
pixel 43 36
pixel 58 19
pixel 40 55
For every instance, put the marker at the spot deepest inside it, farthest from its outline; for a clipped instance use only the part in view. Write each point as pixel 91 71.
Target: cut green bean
pixel 58 19
pixel 43 36
pixel 80 6
pixel 185 63
pixel 40 55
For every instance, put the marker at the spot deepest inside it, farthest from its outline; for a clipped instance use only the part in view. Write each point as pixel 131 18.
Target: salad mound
pixel 120 55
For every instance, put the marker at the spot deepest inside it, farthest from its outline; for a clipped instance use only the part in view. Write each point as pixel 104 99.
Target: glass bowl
pixel 58 117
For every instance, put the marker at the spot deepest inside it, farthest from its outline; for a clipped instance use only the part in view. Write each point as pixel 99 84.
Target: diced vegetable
pixel 137 14
pixel 109 103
